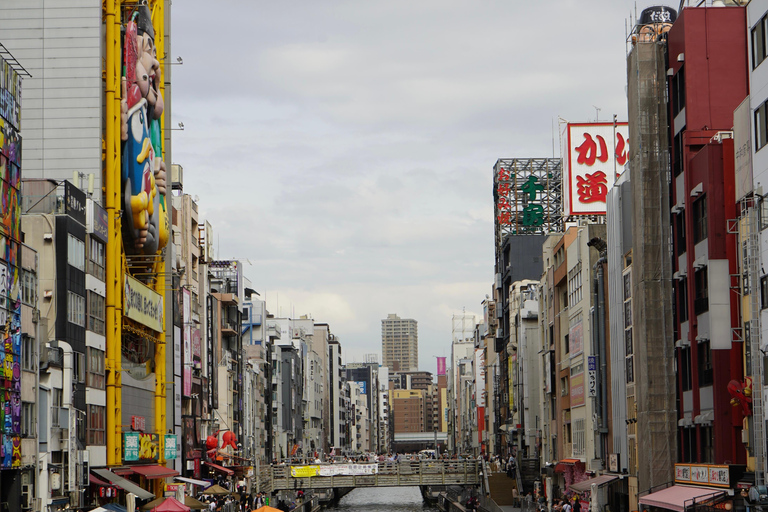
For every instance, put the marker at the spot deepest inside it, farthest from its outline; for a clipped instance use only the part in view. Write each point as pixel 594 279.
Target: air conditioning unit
pixel 27 496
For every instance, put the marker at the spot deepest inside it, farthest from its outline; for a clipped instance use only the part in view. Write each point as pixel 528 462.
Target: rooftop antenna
pixel 597 113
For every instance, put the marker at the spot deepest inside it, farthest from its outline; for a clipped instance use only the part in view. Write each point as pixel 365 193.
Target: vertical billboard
pixel 10 238
pixel 187 330
pixel 480 377
pixel 440 366
pixel 742 149
pixel 594 155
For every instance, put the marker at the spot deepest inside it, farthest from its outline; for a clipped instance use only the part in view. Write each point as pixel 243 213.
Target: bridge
pixel 423 473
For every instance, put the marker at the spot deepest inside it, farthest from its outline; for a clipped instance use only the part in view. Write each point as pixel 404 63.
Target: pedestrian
pixel 566 506
pixel 576 504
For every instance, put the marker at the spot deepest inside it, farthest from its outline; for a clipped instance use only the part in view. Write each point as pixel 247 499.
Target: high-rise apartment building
pixel 400 343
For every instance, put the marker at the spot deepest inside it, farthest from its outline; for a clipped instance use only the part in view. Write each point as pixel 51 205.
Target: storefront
pixel 698 487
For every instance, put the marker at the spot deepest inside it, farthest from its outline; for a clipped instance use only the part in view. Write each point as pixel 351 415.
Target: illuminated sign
pixel 527 196
pixel 594 156
pixel 143 304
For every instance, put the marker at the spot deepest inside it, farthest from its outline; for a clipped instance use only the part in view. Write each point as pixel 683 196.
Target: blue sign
pixel 363 386
pixel 592 363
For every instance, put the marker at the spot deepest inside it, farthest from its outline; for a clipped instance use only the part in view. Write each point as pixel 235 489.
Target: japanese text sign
pixel 596 154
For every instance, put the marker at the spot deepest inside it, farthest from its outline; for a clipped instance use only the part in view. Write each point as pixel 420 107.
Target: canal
pixel 384 499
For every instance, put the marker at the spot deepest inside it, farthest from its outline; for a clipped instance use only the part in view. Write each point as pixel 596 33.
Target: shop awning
pixel 124 484
pixel 201 483
pixel 154 471
pixel 220 469
pixel 678 497
pixel 586 485
pixel 560 466
pixel 96 481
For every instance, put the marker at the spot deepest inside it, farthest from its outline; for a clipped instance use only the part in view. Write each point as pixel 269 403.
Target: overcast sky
pixel 344 149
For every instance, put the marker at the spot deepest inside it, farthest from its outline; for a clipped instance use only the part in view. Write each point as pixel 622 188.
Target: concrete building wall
pixel 62 116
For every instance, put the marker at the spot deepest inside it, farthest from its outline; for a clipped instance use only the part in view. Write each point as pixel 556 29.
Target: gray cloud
pixel 345 148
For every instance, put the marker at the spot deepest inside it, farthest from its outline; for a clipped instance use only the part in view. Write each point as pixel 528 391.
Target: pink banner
pixel 440 366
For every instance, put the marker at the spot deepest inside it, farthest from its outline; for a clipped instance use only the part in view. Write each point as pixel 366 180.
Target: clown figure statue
pixel 145 221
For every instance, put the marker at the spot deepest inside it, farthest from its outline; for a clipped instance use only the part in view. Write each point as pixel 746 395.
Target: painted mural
pixel 145 219
pixel 10 297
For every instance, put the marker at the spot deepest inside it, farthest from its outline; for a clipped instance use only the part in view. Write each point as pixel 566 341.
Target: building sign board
pixel 592 375
pixel 170 446
pixel 527 196
pixel 594 155
pixel 717 475
pixel 143 304
pixel 139 446
pixel 577 389
pixel 480 378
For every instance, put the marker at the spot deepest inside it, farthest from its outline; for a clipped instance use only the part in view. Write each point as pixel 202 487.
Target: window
pixel 700 219
pixel 579 439
pixel 27 353
pixel 95 313
pixel 685 368
pixel 761 126
pixel 95 375
pixel 677 153
pixel 28 414
pixel 630 369
pixel 705 363
pixel 95 430
pixel 682 300
pixel 574 284
pixel 680 232
pixel 678 91
pixel 764 292
pixel 96 258
pixel 78 370
pixel 707 446
pixel 701 299
pixel 28 287
pixel 76 309
pixel 759 49
pixel 76 253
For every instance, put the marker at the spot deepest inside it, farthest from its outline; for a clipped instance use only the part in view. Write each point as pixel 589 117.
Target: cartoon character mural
pixel 145 219
pixel 10 292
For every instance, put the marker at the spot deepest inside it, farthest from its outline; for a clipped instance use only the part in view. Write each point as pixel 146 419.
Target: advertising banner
pixel 592 375
pixel 170 446
pixel 143 304
pixel 348 469
pixel 595 154
pixel 742 149
pixel 334 470
pixel 576 337
pixel 480 378
pixel 577 389
pixel 187 330
pixel 304 471
pixel 140 446
pixel 440 366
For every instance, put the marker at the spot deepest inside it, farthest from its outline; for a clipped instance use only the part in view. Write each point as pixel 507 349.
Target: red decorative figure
pixel 588 150
pixel 229 439
pixel 742 395
pixel 592 188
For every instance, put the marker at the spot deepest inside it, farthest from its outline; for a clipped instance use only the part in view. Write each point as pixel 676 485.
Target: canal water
pixel 384 499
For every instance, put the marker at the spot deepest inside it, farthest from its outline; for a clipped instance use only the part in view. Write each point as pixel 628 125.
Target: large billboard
pixel 145 218
pixel 527 195
pixel 594 155
pixel 10 238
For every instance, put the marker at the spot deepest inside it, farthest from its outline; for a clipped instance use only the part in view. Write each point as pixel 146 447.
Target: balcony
pixel 228 328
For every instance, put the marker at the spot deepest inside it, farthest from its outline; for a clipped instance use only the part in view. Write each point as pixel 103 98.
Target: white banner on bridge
pixel 348 469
